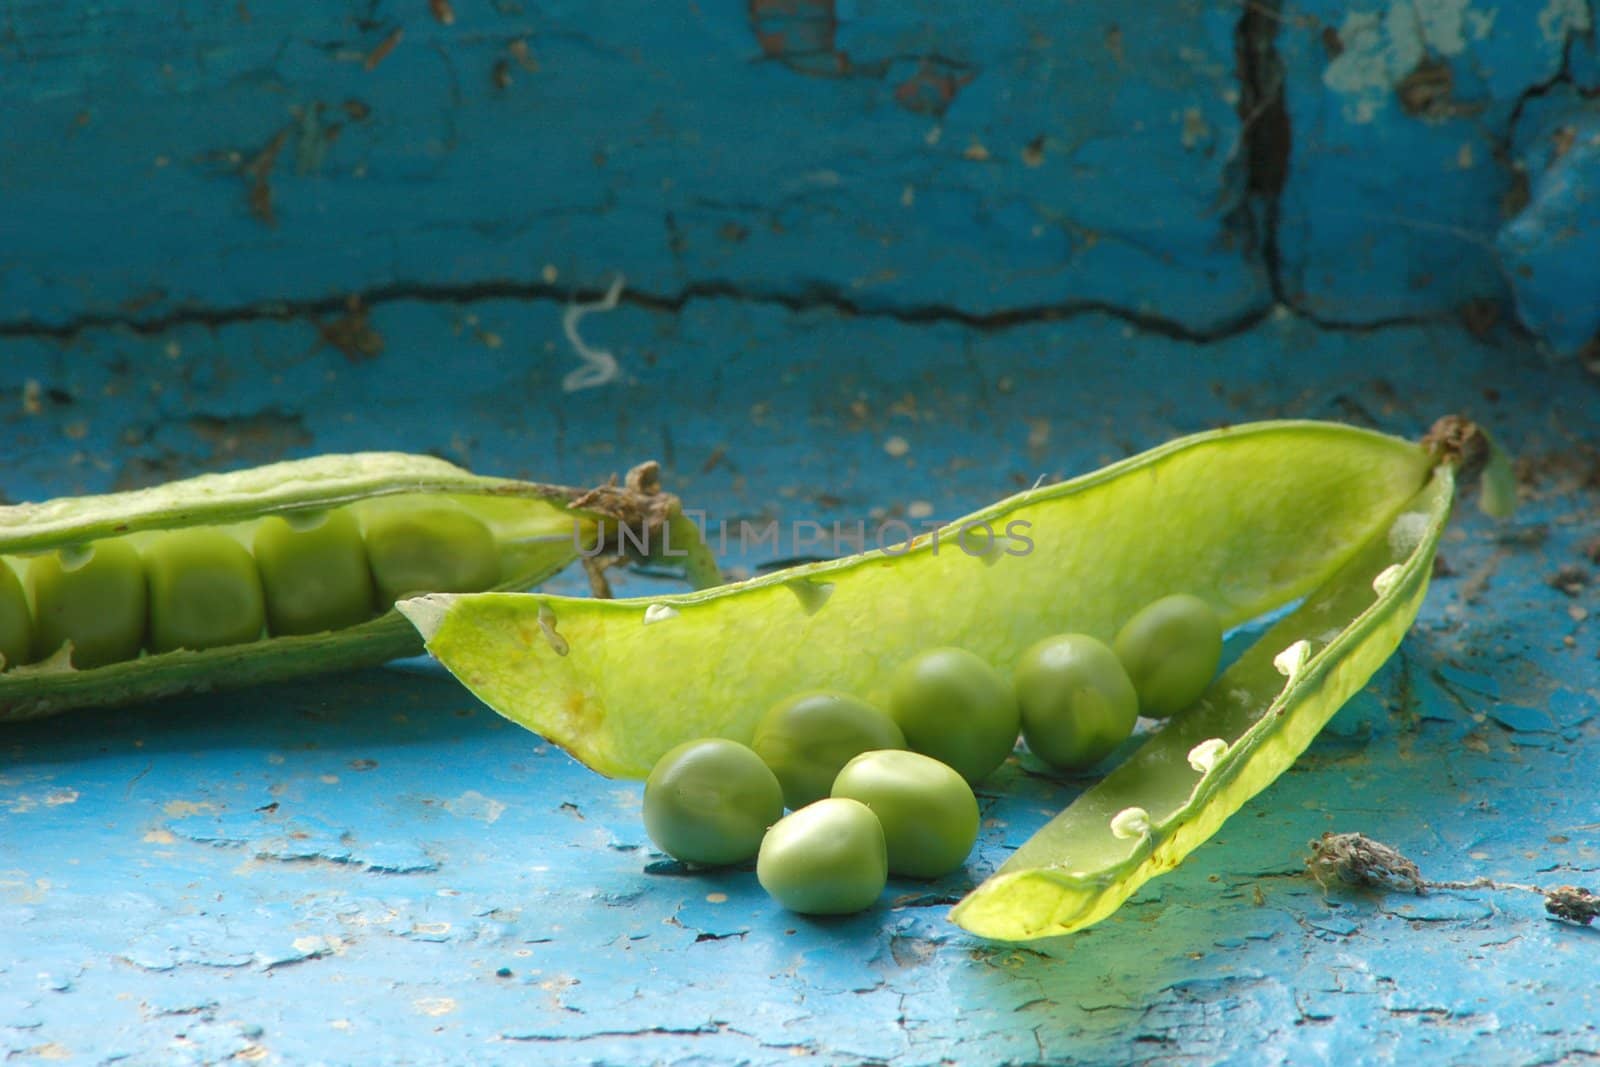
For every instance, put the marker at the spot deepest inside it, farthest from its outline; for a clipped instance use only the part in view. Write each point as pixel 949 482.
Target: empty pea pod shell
pixel 536 532
pixel 1250 519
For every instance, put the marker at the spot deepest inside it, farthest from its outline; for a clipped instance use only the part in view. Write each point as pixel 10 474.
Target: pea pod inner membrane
pixel 1248 519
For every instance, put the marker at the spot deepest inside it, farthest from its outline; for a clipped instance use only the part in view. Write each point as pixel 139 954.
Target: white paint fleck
pixel 1381 49
pixel 1561 19
pixel 474 805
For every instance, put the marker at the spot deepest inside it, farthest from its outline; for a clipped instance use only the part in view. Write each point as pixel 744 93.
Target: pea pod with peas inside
pixel 279 571
pixel 1249 519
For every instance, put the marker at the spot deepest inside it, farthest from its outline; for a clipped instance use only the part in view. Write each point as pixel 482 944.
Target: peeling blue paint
pixel 1552 245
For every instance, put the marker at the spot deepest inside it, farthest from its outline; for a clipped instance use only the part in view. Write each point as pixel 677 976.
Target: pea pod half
pixel 1249 519
pixel 263 574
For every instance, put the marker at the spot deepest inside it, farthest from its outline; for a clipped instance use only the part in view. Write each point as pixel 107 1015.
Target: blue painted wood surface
pixel 340 871
pixel 882 261
pixel 899 155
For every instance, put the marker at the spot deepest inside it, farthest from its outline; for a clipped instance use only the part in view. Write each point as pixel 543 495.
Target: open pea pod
pixel 510 535
pixel 1176 790
pixel 1251 519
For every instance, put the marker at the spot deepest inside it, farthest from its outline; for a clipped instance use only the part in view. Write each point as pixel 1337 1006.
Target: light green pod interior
pixel 1248 519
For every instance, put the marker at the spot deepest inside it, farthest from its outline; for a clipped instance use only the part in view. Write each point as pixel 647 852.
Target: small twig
pixel 1358 860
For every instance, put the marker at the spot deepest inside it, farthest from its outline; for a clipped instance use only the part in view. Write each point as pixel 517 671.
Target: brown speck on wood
pixel 1331 43
pixel 257 171
pixel 352 333
pixel 1426 91
pixel 1570 579
pixel 519 52
pixel 1479 316
pixel 384 47
pixel 1114 42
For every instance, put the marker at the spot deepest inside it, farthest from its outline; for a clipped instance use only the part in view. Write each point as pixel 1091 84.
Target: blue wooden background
pixel 880 261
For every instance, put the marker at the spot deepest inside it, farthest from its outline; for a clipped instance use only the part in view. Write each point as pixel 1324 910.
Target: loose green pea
pixel 1171 650
pixel 956 708
pixel 808 738
pixel 429 549
pixel 710 802
pixel 828 858
pixel 1077 702
pixel 204 591
pixel 16 625
pixel 92 595
pixel 313 572
pixel 928 812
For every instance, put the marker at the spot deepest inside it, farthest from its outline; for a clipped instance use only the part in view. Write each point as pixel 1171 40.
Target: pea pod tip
pixel 427 612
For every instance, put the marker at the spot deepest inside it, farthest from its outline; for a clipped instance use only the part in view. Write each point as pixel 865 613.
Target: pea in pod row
pixel 1250 519
pixel 261 574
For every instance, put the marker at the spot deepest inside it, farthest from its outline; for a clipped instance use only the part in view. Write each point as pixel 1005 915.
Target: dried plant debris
pixel 1355 859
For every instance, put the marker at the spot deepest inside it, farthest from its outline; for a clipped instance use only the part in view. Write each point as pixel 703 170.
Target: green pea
pixel 1077 702
pixel 16 625
pixel 1171 650
pixel 928 812
pixel 92 595
pixel 313 572
pixel 429 549
pixel 828 858
pixel 204 591
pixel 956 708
pixel 809 737
pixel 710 802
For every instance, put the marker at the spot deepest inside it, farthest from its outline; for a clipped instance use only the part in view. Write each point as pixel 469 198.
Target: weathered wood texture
pixel 987 159
pixel 1402 115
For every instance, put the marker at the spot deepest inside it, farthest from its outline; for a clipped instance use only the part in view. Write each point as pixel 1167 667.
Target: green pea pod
pixel 536 531
pixel 1176 790
pixel 1250 519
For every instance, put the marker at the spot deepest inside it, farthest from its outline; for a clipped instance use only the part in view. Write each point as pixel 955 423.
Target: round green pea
pixel 928 812
pixel 429 549
pixel 828 858
pixel 809 737
pixel 1170 650
pixel 92 595
pixel 313 572
pixel 16 625
pixel 956 708
pixel 204 591
pixel 710 802
pixel 1077 702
